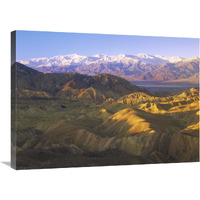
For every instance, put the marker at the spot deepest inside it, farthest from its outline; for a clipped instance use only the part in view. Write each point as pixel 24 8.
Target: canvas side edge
pixel 13 100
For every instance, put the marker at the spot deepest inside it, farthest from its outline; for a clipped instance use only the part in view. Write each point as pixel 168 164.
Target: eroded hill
pixel 63 128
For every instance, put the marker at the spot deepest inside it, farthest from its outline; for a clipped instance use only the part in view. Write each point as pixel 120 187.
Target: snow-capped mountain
pixel 77 60
pixel 132 67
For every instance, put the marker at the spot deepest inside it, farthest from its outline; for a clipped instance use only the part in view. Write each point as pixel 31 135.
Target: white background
pixel 142 17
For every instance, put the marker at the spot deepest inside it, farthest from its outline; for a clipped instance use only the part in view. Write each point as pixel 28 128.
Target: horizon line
pixel 106 55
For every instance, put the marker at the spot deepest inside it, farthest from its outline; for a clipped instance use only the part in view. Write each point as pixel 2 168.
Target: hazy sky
pixel 35 44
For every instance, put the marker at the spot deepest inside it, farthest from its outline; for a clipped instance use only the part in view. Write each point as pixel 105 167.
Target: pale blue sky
pixel 35 44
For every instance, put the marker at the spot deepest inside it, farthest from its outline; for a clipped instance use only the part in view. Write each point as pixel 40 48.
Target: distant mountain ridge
pixel 77 60
pixel 31 83
pixel 140 67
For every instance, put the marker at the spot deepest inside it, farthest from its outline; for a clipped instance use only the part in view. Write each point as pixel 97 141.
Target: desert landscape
pixel 91 114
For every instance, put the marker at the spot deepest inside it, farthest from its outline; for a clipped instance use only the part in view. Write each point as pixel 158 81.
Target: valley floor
pixel 168 87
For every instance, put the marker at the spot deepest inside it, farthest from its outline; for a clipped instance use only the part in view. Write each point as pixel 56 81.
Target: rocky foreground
pixel 126 125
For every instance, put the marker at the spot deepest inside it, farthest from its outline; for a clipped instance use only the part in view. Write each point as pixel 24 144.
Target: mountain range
pixel 33 84
pixel 140 67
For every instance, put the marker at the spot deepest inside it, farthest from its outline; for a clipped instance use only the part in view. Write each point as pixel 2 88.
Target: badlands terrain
pixel 71 119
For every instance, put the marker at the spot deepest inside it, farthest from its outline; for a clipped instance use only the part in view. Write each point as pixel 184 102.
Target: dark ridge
pixel 70 83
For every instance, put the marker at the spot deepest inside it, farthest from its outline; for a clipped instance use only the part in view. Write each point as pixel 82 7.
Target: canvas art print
pixel 97 100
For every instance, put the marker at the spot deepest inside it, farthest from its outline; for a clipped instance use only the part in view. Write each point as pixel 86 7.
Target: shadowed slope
pixel 73 85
